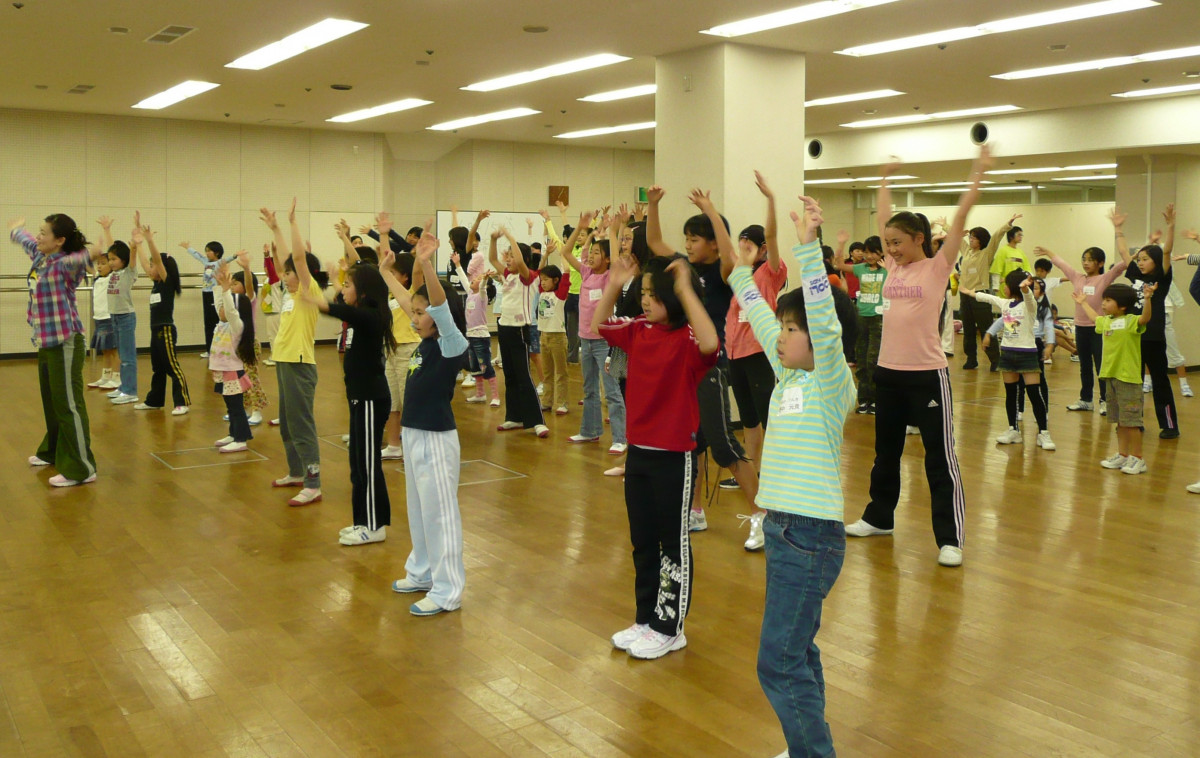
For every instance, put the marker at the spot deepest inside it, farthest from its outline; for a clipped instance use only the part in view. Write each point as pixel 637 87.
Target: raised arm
pixel 279 251
pixel 299 256
pixel 965 203
pixel 343 232
pixel 493 257
pixel 1169 241
pixel 654 236
pixel 225 282
pixel 771 226
pixel 1118 221
pixel 1082 300
pixel 20 235
pixel 157 271
pixel 243 259
pixel 839 253
pixel 1068 272
pixel 702 326
pixel 703 201
pixel 1148 291
pixel 883 196
pixel 424 251
pixel 387 259
pixel 585 220
pixel 471 243
pixel 106 238
pixel 551 232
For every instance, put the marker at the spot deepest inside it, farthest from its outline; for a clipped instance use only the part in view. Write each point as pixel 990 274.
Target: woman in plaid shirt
pixel 59 255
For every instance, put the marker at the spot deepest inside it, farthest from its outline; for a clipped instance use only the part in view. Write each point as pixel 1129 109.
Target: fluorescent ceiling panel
pixel 854 98
pixel 620 94
pixel 463 123
pixel 918 118
pixel 1051 169
pixel 1101 63
pixel 848 180
pixel 173 95
pixel 791 16
pixel 379 110
pixel 1084 178
pixel 606 130
pixel 1031 21
pixel 302 41
pixel 995 188
pixel 546 72
pixel 1159 91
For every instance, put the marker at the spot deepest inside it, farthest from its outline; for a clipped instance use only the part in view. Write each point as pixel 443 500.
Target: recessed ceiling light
pixel 119 29
pixel 462 123
pixel 318 34
pixel 379 110
pixel 173 95
pixel 798 15
pixel 918 118
pixel 1159 91
pixel 1057 48
pixel 546 72
pixel 531 29
pixel 1033 20
pixel 621 94
pixel 838 99
pixel 606 130
pixel 1101 63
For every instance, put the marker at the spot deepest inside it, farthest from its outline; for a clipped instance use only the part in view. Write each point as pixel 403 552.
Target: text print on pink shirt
pixel 896 289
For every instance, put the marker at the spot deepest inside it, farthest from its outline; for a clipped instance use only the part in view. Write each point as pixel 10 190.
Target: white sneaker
pixel 1010 437
pixel 1134 466
pixel 911 430
pixel 203 355
pixel 495 402
pixel 346 438
pixel 223 441
pixel 950 555
pixel 626 637
pixel 1074 359
pixel 1185 389
pixel 756 540
pixel 113 383
pixel 1147 386
pixel 105 375
pixel 617 448
pixel 477 399
pixel 1020 415
pixel 225 417
pixel 180 410
pixel 541 430
pixel 561 410
pixel 36 461
pixel 469 381
pixel 115 393
pixel 404 585
pixel 654 644
pixel 1082 405
pixel 1103 407
pixel 122 399
pixel 1116 460
pixel 1044 441
pixel 861 528
pixel 581 438
pixel 1048 361
pixel 392 453
pixel 1194 488
pixel 541 388
pixel 360 535
pixel 144 407
pixel 697 521
pixel 268 362
pixel 255 418
pixel 234 447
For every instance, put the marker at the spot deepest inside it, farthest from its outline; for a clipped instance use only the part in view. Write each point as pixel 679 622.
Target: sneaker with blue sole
pixel 426 607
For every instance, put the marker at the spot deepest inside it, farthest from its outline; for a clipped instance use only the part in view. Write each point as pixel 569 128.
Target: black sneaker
pixel 862 408
pixel 969 365
pixel 1168 434
pixel 729 484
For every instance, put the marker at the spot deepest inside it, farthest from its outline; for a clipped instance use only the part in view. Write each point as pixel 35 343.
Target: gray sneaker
pixel 1080 405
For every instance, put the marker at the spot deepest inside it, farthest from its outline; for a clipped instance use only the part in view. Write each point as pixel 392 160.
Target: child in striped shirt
pixel 800 485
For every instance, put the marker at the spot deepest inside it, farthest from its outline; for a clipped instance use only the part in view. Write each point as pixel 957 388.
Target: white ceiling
pixel 473 40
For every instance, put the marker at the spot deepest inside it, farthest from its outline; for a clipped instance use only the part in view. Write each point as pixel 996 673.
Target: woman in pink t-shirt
pixel 912 381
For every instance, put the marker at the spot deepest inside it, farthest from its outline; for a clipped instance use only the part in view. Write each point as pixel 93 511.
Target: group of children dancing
pixel 664 335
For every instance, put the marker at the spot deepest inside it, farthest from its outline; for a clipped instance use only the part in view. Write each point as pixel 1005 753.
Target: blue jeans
pixel 591 355
pixel 125 325
pixel 804 558
pixel 479 356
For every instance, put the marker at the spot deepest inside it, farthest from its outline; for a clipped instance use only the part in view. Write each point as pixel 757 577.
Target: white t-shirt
pixel 100 298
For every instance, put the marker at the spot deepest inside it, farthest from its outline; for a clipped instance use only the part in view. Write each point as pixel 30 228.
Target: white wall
pixel 192 181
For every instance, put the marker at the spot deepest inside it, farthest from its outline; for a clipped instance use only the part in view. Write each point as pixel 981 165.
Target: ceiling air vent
pixel 169 34
pixel 81 89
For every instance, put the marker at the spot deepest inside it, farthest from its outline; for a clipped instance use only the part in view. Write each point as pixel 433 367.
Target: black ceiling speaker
pixel 815 148
pixel 979 133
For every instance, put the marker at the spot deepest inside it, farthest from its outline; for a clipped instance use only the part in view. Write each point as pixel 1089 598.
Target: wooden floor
pixel 187 611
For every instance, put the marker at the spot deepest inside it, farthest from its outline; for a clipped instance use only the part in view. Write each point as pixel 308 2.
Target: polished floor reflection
pixel 178 607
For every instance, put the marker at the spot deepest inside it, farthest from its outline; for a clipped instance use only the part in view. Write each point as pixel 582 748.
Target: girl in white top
pixel 522 407
pixel 1019 357
pixel 104 339
pixel 231 351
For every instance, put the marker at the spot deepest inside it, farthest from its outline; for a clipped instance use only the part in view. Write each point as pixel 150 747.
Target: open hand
pixel 760 181
pixel 1192 234
pixel 16 223
pixel 186 245
pixel 292 212
pixel 384 223
pixel 843 237
pixel 268 218
pixel 386 259
pixel 243 259
pixel 1169 214
pixel 806 226
pixel 682 272
pixel 655 194
pixel 701 199
pixel 1117 218
pixel 1078 297
pixel 105 223
pixel 545 214
pixel 1149 289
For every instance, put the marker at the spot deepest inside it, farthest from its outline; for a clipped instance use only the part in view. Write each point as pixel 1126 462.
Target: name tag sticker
pixel 395 305
pixel 594 295
pixel 743 317
pixel 155 298
pixel 289 305
pixel 792 402
pixel 1089 290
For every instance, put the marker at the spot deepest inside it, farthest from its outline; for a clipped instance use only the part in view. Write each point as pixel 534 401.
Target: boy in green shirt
pixel 1122 369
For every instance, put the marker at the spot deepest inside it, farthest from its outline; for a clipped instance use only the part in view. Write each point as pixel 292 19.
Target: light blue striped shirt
pixel 802 452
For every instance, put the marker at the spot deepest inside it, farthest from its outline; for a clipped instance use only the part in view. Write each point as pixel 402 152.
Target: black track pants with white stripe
pixel 368 490
pixel 658 494
pixel 921 399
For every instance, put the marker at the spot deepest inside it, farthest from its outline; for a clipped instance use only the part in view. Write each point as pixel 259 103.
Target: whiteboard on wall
pixel 515 221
